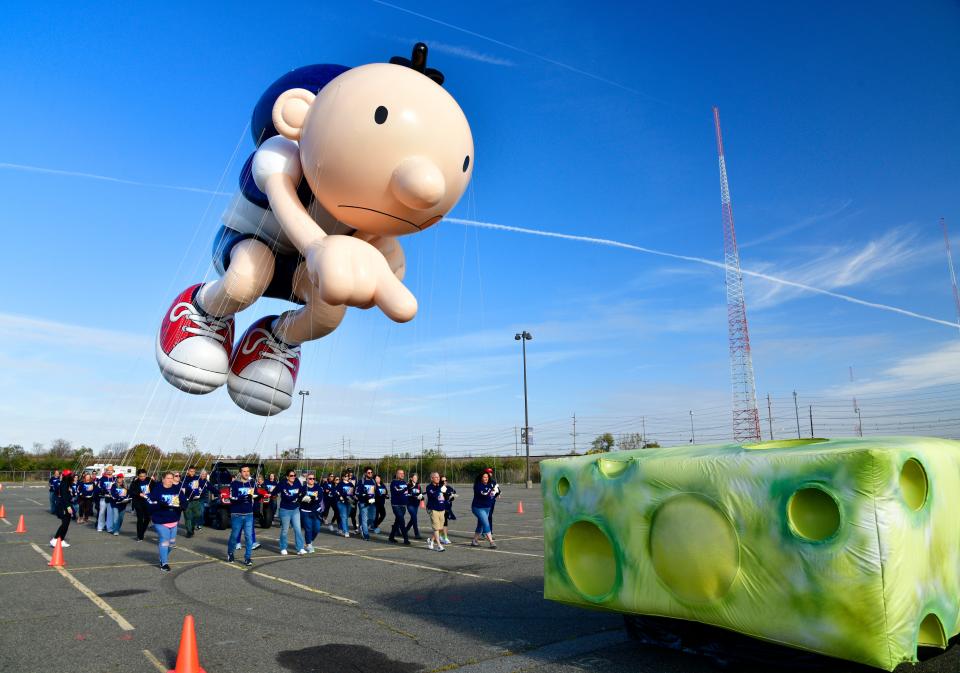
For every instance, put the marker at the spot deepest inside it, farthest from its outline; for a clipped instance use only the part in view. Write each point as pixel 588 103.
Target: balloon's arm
pixel 294 219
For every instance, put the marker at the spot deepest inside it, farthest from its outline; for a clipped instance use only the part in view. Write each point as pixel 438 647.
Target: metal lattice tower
pixel 746 419
pixel 953 272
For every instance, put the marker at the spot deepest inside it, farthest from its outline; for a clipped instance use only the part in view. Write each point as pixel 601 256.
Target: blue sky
pixel 589 120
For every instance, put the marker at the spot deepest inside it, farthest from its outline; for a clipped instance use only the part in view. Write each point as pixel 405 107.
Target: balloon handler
pixel 347 161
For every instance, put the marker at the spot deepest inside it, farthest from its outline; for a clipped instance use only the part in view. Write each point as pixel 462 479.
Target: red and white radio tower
pixel 953 273
pixel 746 420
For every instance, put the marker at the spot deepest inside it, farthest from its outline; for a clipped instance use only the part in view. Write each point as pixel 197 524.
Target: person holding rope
pixel 140 491
pixel 330 502
pixel 381 502
pixel 414 498
pixel 87 494
pixel 291 491
pixel 164 502
pixel 119 498
pixel 193 490
pixel 398 503
pixel 204 498
pixel 354 501
pixel 449 493
pixel 242 495
pixel 311 506
pixel 345 497
pixel 496 488
pixel 367 504
pixel 485 493
pixel 64 509
pixel 104 487
pixel 437 506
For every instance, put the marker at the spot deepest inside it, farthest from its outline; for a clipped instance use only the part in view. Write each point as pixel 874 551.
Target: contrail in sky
pixel 701 260
pixel 535 232
pixel 106 178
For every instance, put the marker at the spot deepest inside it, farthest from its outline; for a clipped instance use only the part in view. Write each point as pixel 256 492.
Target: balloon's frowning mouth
pixel 418 227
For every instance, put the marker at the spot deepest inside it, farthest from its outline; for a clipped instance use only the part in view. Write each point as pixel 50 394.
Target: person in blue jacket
pixel 86 491
pixel 242 495
pixel 484 496
pixel 345 497
pixel 140 493
pixel 367 502
pixel 449 494
pixel 290 491
pixel 311 505
pixel 104 487
pixel 164 503
pixel 496 487
pixel 398 502
pixel 119 498
pixel 193 491
pixel 54 489
pixel 329 487
pixel 436 506
pixel 74 498
pixel 414 498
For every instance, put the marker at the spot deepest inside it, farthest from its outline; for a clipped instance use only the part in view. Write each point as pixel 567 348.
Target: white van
pixel 127 471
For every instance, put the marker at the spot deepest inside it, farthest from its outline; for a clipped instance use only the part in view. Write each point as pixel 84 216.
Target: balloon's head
pixel 385 149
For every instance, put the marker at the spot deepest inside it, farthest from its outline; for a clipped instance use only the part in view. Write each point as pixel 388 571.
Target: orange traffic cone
pixel 423 504
pixel 187 659
pixel 520 507
pixel 21 526
pixel 56 561
pixel 3 512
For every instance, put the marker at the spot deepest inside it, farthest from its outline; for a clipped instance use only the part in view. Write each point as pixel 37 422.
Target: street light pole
pixel 523 338
pixel 303 399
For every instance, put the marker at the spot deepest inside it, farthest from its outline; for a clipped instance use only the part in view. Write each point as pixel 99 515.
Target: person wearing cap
pixel 414 498
pixel 191 491
pixel 345 497
pixel 484 495
pixel 164 502
pixel 311 505
pixel 290 490
pixel 119 498
pixel 104 487
pixel 398 503
pixel 436 506
pixel 367 502
pixel 54 490
pixel 140 497
pixel 64 508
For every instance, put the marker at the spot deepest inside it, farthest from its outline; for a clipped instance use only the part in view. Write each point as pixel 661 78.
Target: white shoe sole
pixel 256 397
pixel 186 377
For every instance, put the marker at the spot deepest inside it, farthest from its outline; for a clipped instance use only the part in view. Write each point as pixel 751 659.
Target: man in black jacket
pixel 140 492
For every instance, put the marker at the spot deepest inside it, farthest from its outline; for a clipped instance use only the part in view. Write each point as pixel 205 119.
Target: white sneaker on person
pixel 301 552
pixel 53 542
pixel 256 545
pixel 310 549
pixel 330 528
pixel 445 540
pixel 430 544
pixel 64 543
pixel 237 547
pixel 439 547
pixel 283 552
pixel 346 535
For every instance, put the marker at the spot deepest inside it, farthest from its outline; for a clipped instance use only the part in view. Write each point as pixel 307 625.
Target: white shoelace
pixel 205 325
pixel 276 350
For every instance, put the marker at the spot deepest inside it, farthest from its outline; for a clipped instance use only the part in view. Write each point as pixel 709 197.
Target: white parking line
pixel 414 565
pixel 37 503
pixel 153 660
pixel 82 588
pixel 304 587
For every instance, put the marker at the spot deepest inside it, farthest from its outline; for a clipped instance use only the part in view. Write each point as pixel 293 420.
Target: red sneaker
pixel 193 348
pixel 263 371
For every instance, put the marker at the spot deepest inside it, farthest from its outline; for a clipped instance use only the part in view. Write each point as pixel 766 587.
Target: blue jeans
pixel 343 509
pixel 311 525
pixel 287 517
pixel 166 537
pixel 105 516
pixel 483 520
pixel 399 522
pixel 367 514
pixel 53 502
pixel 412 511
pixel 117 519
pixel 241 522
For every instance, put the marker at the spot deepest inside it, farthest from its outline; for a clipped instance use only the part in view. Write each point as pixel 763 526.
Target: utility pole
pixel 859 423
pixel 438 440
pixel 796 410
pixel 523 338
pixel 303 398
pixel 770 416
pixel 693 437
pixel 643 432
pixel 516 441
pixel 574 432
pixel 811 421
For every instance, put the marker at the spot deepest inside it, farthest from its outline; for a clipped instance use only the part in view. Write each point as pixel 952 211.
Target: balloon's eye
pixel 380 115
pixel 466 163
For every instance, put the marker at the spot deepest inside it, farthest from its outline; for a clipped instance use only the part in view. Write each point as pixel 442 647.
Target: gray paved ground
pixel 353 606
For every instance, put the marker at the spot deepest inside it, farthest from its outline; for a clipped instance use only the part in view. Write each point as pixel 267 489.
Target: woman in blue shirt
pixel 119 497
pixel 484 496
pixel 164 502
pixel 311 505
pixel 414 498
pixel 290 492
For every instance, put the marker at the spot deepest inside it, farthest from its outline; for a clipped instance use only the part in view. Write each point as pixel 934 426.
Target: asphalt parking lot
pixel 351 606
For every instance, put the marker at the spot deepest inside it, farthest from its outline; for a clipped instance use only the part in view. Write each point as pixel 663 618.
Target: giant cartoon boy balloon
pixel 348 159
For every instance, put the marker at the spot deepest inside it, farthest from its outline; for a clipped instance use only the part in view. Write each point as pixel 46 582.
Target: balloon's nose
pixel 418 183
